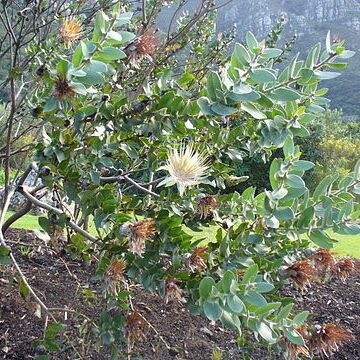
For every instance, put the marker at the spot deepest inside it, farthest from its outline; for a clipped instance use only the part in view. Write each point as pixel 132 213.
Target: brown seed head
pixel 144 45
pixel 205 204
pixel 293 351
pixel 173 292
pixel 143 229
pixel 114 274
pixel 343 268
pixel 328 338
pixel 63 89
pixel 70 30
pixel 197 258
pixel 147 43
pixel 302 273
pixel 138 232
pixel 135 326
pixel 323 260
pixel 115 270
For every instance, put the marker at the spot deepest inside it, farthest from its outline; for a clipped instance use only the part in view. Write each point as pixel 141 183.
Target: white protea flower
pixel 187 167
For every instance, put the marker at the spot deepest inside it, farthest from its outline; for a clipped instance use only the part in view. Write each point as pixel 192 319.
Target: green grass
pixel 2 176
pixel 27 222
pixel 346 246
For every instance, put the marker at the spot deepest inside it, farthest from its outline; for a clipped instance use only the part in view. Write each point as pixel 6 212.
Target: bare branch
pixel 48 207
pixel 138 186
pixel 23 211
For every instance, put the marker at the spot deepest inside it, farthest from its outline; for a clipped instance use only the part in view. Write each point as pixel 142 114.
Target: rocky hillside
pixel 310 20
pixel 302 16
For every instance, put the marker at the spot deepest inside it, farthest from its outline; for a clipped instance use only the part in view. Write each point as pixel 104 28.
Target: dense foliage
pixel 122 127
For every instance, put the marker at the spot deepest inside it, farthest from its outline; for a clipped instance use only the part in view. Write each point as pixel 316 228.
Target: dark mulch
pixel 60 281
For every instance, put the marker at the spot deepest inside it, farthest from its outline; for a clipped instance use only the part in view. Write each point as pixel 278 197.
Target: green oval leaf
pixel 262 76
pixel 212 309
pixel 109 54
pixel 205 286
pixel 235 304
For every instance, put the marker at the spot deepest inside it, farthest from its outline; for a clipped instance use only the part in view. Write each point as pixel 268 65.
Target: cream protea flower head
pixel 187 167
pixel 70 30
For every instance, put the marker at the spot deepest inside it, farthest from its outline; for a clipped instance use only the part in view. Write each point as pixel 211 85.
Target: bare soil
pixel 174 332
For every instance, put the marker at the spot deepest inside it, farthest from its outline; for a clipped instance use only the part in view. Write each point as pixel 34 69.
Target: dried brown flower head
pixel 196 260
pixel 114 274
pixel 137 247
pixel 138 232
pixel 291 350
pixel 326 339
pixel 63 89
pixel 147 43
pixel 323 260
pixel 205 204
pixel 70 30
pixel 142 47
pixel 302 273
pixel 135 326
pixel 343 268
pixel 173 292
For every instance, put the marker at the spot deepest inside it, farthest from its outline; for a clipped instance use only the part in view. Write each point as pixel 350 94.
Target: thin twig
pixel 156 332
pixel 43 205
pixel 32 292
pixel 131 181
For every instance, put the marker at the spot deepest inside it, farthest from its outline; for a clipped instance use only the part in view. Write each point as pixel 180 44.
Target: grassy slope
pixel 346 246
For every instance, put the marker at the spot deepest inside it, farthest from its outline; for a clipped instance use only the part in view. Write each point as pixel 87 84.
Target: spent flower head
pixel 291 350
pixel 326 339
pixel 323 260
pixel 63 89
pixel 114 274
pixel 173 292
pixel 70 30
pixel 196 260
pixel 205 204
pixel 187 167
pixel 142 46
pixel 135 326
pixel 343 268
pixel 138 232
pixel 302 273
